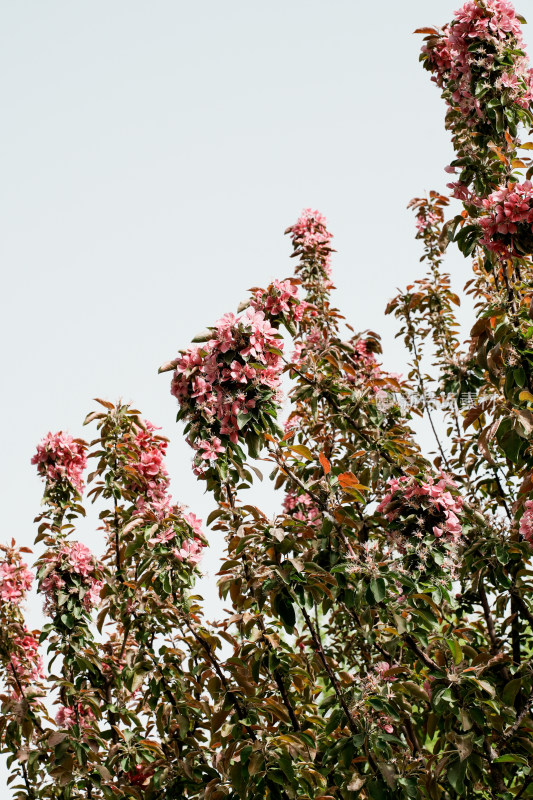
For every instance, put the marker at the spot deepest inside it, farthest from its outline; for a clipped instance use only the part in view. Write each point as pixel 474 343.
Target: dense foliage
pixel 380 640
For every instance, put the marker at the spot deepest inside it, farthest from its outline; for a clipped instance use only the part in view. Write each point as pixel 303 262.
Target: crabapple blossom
pixel 231 379
pixel 526 522
pixel 60 458
pixel 507 221
pixel 407 496
pixel 71 569
pixel 467 59
pixel 15 580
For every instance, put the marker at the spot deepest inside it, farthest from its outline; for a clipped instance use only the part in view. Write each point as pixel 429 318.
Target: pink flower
pixel 195 523
pixel 234 372
pixel 468 52
pixel 78 557
pixel 191 551
pixel 66 716
pixel 25 658
pixel 211 449
pixel 381 668
pixel 72 558
pixel 15 580
pixel 385 723
pixel 526 522
pixel 407 496
pixel 59 457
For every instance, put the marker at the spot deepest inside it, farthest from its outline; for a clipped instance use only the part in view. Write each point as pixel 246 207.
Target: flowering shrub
pixel 301 507
pixel 311 240
pixel 67 716
pixel 479 62
pixel 376 634
pixel 26 661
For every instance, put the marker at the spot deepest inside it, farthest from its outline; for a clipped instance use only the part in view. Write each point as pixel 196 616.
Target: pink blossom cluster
pixel 15 580
pixel 280 299
pixel 425 219
pixel 364 356
pixel 382 667
pixel 25 658
pixel 407 496
pixel 59 458
pixel 191 549
pixel 315 341
pixel 507 223
pixel 222 383
pixel 526 522
pixel 367 371
pixel 67 716
pixel 152 485
pixel 302 507
pixel 140 775
pixel 71 559
pixel 312 240
pixel 469 54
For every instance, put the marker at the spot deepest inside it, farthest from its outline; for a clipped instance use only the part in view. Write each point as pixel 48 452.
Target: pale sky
pixel 153 154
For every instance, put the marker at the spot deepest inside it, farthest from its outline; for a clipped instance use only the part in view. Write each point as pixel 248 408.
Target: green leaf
pixel 511 758
pixel 378 588
pixel 456 775
pixel 242 419
pixel 456 651
pixel 413 689
pixel 284 609
pixel 510 690
pixel 302 450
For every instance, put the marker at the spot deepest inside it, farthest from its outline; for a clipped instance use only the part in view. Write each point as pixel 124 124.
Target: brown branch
pixel 29 789
pixel 412 735
pixel 521 605
pixel 421 386
pixel 285 697
pixel 495 643
pixel 21 690
pixel 334 682
pixel 520 718
pixel 241 713
pixel 495 771
pixel 412 645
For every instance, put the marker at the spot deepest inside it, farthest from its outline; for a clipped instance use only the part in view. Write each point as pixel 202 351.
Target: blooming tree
pixel 379 637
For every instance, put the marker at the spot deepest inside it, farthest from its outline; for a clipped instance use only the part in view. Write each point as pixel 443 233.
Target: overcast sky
pixel 153 154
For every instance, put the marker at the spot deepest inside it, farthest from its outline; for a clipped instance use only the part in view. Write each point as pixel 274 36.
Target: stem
pixel 286 700
pixel 241 713
pixel 334 682
pixel 495 771
pixel 276 674
pixel 502 494
pixel 29 788
pixel 422 388
pixel 521 605
pixel 21 690
pixel 425 659
pixel 488 617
